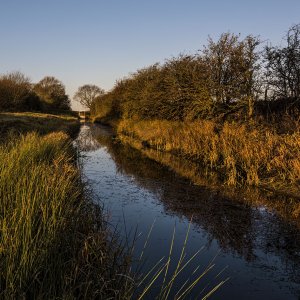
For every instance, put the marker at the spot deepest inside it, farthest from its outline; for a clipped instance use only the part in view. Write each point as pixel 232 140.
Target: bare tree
pixel 283 66
pixel 87 93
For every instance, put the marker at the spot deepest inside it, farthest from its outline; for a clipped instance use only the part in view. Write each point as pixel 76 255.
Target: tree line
pixel 231 76
pixel 17 93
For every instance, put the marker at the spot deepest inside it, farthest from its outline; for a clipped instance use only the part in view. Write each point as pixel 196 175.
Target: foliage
pixel 232 66
pixel 224 80
pixel 16 93
pixel 52 93
pixel 223 76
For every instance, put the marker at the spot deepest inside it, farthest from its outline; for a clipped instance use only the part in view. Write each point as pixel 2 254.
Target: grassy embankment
pixel 22 122
pixel 233 154
pixel 220 108
pixel 53 242
pixel 239 153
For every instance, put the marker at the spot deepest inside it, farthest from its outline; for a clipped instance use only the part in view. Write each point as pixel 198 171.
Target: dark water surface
pixel 255 248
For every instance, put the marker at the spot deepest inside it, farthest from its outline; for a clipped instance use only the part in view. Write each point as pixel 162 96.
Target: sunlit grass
pixel 23 122
pixel 243 155
pixel 53 242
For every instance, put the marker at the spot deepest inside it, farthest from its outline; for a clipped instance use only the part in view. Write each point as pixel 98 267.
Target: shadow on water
pixel 259 246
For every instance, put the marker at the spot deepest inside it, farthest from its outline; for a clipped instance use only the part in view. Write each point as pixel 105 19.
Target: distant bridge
pixel 84 115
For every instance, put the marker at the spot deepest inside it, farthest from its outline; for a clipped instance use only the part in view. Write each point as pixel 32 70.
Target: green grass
pixel 53 242
pixel 42 123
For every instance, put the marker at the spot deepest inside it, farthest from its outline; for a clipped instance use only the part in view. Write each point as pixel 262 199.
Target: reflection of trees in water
pixel 236 226
pixel 86 141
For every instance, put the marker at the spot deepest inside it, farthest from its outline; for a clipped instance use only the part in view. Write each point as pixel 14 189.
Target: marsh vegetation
pixel 233 108
pixel 54 241
pixel 223 119
pixel 249 236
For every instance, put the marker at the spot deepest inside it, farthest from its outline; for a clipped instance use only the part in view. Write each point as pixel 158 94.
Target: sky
pixel 100 41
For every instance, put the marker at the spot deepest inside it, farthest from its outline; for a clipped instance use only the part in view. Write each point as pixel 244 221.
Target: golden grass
pixel 241 154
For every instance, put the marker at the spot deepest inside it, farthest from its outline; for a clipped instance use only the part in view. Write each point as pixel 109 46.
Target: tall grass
pixel 53 241
pixel 240 153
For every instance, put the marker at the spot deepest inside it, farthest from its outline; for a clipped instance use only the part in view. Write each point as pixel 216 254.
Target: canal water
pixel 251 248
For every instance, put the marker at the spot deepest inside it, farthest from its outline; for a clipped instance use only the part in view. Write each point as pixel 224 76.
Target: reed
pixel 54 242
pixel 240 153
pixel 166 277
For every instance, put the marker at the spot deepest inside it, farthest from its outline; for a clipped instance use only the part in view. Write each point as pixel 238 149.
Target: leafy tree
pixel 16 92
pixel 186 86
pixel 52 93
pixel 87 93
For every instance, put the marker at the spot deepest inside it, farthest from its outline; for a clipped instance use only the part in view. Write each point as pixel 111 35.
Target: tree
pixel 186 86
pixel 233 65
pixel 52 93
pixel 15 89
pixel 87 93
pixel 251 80
pixel 283 66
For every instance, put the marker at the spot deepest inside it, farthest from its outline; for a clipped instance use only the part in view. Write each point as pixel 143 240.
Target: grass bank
pixel 54 242
pixel 19 123
pixel 239 154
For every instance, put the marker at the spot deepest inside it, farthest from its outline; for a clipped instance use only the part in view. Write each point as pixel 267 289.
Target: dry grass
pixel 243 155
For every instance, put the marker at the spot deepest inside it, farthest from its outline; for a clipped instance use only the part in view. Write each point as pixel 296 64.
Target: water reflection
pixel 267 245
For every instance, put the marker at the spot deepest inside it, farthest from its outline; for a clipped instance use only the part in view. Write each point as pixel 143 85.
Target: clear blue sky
pixel 100 41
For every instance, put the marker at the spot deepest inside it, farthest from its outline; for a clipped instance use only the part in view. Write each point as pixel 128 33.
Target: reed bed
pixel 54 243
pixel 242 154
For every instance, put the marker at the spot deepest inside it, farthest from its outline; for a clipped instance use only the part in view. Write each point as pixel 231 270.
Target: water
pixel 257 250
